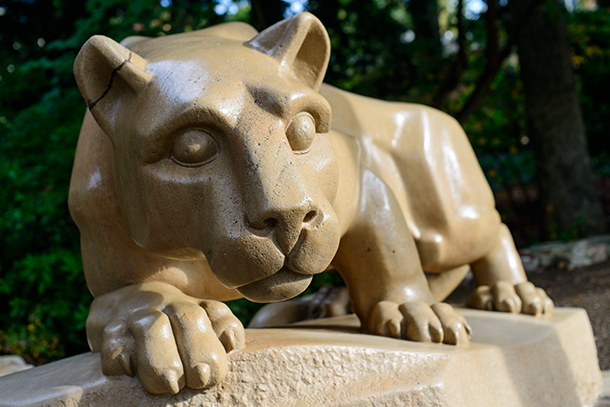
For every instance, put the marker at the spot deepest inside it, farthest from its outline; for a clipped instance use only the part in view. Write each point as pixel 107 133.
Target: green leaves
pixel 47 302
pixel 42 278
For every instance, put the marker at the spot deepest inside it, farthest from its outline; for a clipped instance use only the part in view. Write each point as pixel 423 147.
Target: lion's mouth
pixel 283 285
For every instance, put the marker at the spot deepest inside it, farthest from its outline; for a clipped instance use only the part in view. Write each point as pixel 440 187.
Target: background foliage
pixel 43 297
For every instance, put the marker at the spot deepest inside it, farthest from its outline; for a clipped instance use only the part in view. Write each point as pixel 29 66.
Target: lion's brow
pixel 208 112
pixel 224 119
pixel 278 102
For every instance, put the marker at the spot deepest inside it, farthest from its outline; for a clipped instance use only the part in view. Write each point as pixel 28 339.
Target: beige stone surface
pixel 513 360
pixel 604 398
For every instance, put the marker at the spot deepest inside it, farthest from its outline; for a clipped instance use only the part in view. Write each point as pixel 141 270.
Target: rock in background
pixel 577 253
pixel 12 364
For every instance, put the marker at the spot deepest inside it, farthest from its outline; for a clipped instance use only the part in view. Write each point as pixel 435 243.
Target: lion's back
pixel 428 162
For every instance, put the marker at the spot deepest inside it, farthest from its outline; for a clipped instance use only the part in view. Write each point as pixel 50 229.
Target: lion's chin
pixel 283 285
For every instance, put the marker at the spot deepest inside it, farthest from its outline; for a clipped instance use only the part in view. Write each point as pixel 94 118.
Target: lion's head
pixel 221 148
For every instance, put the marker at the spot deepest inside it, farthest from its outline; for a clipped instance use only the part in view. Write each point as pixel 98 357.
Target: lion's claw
pixel 228 329
pixel 117 348
pixel 456 330
pixel 166 338
pixel 393 328
pixel 522 298
pixel 418 321
pixel 421 323
pixel 535 300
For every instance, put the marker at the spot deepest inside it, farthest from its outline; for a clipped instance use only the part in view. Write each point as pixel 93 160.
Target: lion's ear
pixel 107 73
pixel 299 43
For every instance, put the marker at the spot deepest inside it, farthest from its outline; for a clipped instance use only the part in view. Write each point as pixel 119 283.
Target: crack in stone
pixel 112 75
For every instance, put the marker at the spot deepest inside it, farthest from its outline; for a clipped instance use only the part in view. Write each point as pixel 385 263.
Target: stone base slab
pixel 513 360
pixel 604 398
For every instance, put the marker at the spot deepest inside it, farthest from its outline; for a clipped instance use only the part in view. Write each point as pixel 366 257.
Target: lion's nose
pixel 281 195
pixel 271 218
pixel 284 224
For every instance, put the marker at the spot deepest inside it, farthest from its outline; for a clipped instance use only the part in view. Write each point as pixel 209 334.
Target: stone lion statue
pixel 215 164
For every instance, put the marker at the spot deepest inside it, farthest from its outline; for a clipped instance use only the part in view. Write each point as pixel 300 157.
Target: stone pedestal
pixel 514 360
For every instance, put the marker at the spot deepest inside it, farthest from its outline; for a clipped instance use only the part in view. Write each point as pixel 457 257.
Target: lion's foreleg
pixel 379 262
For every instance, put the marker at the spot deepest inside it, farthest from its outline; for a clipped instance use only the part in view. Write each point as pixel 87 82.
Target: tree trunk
pixel 425 21
pixel 265 13
pixel 603 3
pixel 554 123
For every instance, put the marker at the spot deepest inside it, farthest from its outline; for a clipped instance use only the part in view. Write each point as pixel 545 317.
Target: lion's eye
pixel 301 132
pixel 194 147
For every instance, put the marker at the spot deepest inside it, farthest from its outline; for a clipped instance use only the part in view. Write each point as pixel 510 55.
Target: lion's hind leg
pixel 502 284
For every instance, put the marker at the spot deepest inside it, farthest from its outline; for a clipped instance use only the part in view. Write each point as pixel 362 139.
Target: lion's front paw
pixel 503 296
pixel 168 344
pixel 418 321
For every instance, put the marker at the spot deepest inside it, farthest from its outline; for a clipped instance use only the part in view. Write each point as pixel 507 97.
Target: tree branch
pixel 452 79
pixel 494 58
pixel 259 15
